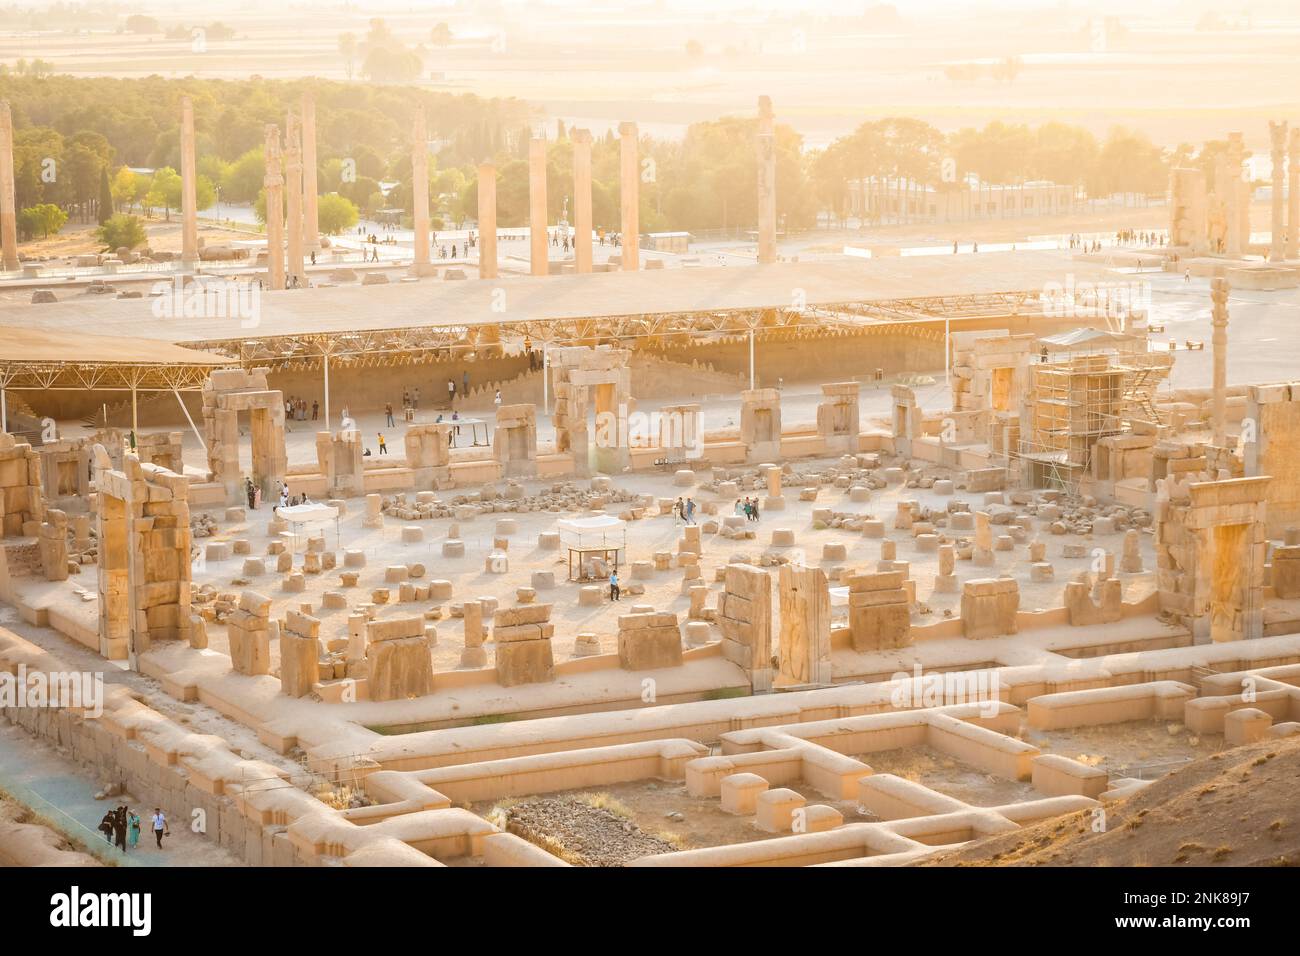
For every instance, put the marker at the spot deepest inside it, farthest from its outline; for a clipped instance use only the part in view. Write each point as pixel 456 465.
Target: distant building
pixel 678 242
pixel 902 200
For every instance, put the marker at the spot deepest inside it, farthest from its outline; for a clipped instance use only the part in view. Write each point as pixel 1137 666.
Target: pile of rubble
pixel 560 497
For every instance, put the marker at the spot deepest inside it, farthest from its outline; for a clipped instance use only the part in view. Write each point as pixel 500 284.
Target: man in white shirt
pixel 159 825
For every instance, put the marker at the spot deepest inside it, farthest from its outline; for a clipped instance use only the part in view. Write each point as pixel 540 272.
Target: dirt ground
pixel 1234 808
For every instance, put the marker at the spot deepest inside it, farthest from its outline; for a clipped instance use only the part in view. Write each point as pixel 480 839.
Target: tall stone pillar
pixel 487 221
pixel 310 188
pixel 630 196
pixel 420 193
pixel 1292 248
pixel 293 198
pixel 274 184
pixel 189 192
pixel 766 182
pixel 1219 323
pixel 1238 197
pixel 1277 132
pixel 581 199
pixel 538 240
pixel 8 205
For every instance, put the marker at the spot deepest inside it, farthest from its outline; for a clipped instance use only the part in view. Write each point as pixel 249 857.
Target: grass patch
pixel 725 693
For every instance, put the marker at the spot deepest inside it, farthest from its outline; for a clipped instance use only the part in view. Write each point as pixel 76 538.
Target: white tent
pixel 309 514
pixel 600 534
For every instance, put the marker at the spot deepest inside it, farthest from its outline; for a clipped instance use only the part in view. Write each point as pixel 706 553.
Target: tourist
pixel 679 509
pixel 313 257
pixel 119 828
pixel 251 493
pixel 284 496
pixel 496 400
pixel 740 508
pixel 257 497
pixel 415 398
pixel 106 826
pixel 383 446
pixel 464 385
pixel 754 508
pixel 451 390
pixel 406 398
pixel 132 829
pixel 613 585
pixel 159 826
pixel 388 414
pixel 690 511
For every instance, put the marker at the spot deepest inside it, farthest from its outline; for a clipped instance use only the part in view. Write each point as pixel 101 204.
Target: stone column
pixel 630 196
pixel 538 240
pixel 420 193
pixel 581 199
pixel 1292 249
pixel 487 221
pixel 1232 195
pixel 310 188
pixel 8 206
pixel 274 184
pixel 766 182
pixel 1277 132
pixel 189 194
pixel 1219 322
pixel 293 197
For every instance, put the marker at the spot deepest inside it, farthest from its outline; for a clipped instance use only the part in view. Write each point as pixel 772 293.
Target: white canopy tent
pixel 300 516
pixel 598 535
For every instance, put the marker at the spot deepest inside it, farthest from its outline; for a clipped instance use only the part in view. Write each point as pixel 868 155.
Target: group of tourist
pixel 1123 237
pixel 254 494
pixel 121 827
pixel 748 508
pixel 295 409
pixel 685 510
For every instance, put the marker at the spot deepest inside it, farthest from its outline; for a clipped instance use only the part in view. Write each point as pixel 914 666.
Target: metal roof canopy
pixel 441 314
pixel 42 359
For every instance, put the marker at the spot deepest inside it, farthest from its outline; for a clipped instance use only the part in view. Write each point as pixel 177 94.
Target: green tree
pixel 44 218
pixel 336 213
pixel 121 230
pixel 123 187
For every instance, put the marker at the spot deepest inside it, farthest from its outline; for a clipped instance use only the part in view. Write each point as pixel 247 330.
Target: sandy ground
pixel 469 578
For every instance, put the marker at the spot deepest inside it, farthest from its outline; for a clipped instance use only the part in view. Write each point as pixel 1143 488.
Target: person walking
pixel 613 585
pixel 250 491
pixel 690 511
pixel 106 826
pixel 383 446
pixel 315 410
pixel 132 829
pixel 451 390
pixel 464 385
pixel 388 414
pixel 159 826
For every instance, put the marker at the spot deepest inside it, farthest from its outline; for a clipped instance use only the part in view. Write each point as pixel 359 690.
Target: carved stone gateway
pixel 805 644
pixel 228 396
pixel 1210 544
pixel 144 557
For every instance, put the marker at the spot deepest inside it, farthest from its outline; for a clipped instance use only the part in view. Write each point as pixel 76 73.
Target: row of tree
pixel 95 146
